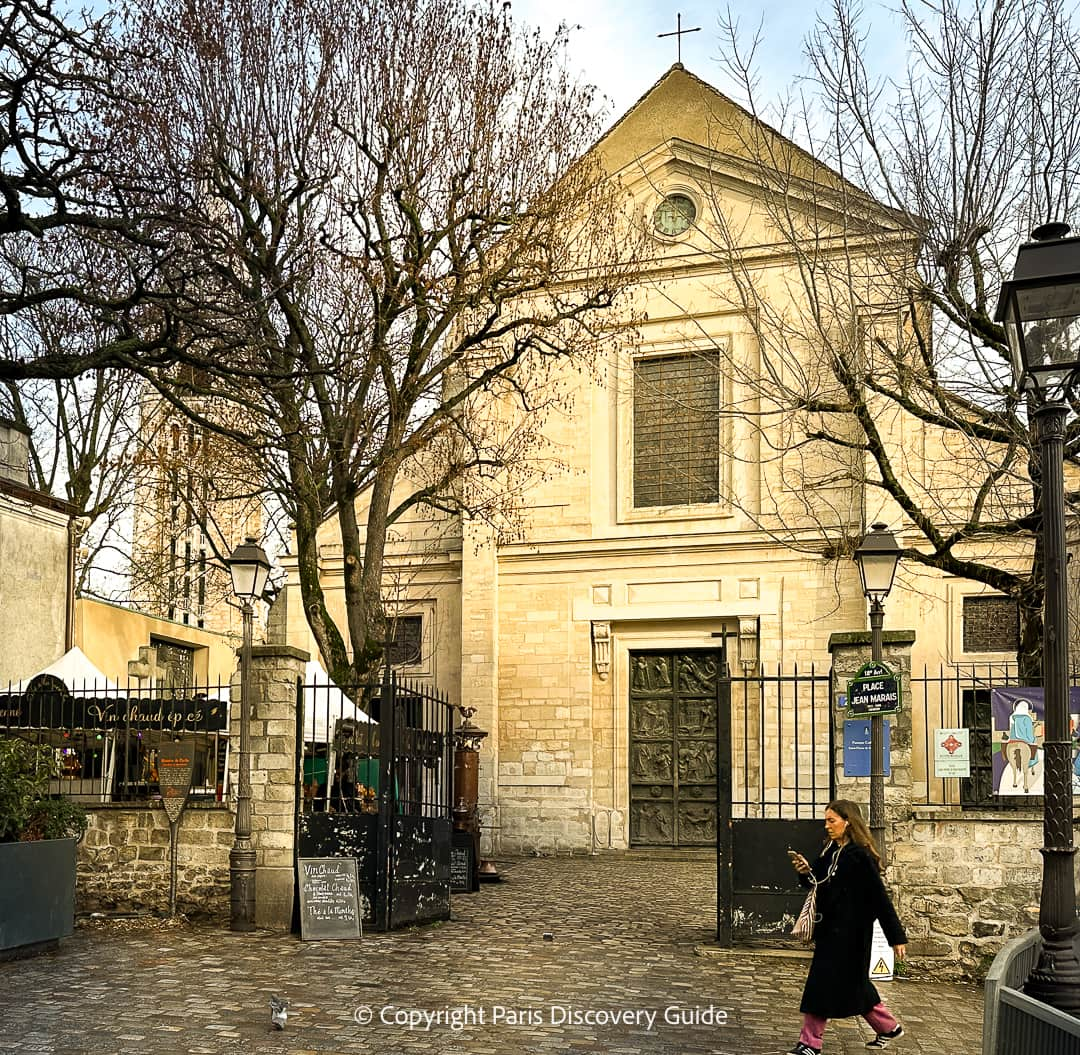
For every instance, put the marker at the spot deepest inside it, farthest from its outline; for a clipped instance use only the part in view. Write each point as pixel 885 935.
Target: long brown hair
pixel 857 830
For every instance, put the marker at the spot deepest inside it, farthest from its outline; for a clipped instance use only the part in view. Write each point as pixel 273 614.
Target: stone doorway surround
pixel 612 789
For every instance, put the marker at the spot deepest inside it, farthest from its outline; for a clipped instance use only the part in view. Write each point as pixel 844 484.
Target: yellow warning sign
pixel 881 970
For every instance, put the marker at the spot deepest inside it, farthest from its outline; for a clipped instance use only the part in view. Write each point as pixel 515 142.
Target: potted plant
pixel 37 849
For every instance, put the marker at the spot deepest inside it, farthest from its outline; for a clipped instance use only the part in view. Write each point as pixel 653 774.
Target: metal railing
pixel 781 743
pixel 343 764
pixel 1015 1023
pixel 977 698
pixel 107 737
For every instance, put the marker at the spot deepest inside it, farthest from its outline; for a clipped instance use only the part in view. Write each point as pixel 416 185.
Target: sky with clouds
pixel 617 48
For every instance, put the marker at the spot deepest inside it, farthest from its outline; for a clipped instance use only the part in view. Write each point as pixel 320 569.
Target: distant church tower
pixel 196 498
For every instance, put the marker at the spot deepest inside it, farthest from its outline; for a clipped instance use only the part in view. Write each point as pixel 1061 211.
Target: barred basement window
pixel 677 430
pixel 991 624
pixel 977 791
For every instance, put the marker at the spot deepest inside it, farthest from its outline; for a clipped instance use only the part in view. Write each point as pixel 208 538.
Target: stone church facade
pixel 672 542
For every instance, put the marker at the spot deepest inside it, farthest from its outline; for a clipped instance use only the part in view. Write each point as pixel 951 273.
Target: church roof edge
pixel 678 68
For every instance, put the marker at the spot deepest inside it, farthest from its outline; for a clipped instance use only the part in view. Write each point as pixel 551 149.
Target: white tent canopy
pixel 325 704
pixel 75 670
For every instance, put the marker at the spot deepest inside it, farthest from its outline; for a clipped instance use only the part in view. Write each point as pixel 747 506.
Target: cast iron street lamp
pixel 1040 309
pixel 877 557
pixel 249 569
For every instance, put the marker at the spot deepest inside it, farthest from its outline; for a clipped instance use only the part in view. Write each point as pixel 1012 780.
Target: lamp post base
pixel 1056 977
pixel 241 889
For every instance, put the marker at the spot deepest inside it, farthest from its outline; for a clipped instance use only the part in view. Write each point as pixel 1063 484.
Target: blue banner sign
pixel 857 747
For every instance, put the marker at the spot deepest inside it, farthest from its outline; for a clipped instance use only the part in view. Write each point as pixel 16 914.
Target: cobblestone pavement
pixel 630 933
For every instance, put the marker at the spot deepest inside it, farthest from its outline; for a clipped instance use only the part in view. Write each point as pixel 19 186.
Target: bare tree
pixel 386 213
pixel 53 70
pixel 882 380
pixel 82 429
pixel 59 179
pixel 151 538
pixel 68 98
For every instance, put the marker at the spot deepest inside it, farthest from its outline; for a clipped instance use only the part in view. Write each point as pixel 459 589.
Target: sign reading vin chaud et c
pixel 875 689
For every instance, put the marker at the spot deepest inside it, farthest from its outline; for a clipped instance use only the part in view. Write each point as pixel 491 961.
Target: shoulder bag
pixel 808 915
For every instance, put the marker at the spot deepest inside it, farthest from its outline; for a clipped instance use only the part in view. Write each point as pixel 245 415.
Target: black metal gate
pixel 376 785
pixel 773 783
pixel 674 738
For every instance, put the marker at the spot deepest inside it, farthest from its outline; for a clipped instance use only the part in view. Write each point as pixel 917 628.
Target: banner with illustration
pixel 1018 729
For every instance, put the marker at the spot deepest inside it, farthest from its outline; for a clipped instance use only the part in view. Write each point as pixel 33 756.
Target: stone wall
pixel 964 884
pixel 123 860
pixel 277 672
pixel 546 777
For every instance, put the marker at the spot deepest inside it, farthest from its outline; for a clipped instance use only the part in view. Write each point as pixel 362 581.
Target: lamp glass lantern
pixel 249 568
pixel 1040 310
pixel 877 557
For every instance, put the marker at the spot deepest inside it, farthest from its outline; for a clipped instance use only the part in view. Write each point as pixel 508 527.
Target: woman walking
pixel 850 897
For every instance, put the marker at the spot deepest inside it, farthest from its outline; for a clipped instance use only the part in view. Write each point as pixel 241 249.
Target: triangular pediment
pixel 684 124
pixel 678 106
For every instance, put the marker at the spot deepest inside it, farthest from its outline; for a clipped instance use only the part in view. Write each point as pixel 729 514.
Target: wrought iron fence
pixel 979 698
pixel 342 759
pixel 781 744
pixel 107 737
pixel 377 773
pixel 783 739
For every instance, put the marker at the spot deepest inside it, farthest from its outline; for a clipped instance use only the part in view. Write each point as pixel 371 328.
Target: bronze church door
pixel 673 744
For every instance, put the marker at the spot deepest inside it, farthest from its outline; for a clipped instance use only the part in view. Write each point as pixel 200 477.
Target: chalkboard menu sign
pixel 329 898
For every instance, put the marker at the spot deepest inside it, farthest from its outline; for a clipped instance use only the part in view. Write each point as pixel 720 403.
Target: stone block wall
pixel 964 884
pixel 276 670
pixel 480 652
pixel 123 860
pixel 545 731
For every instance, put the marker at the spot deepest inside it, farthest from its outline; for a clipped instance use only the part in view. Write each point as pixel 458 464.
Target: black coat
pixel 838 985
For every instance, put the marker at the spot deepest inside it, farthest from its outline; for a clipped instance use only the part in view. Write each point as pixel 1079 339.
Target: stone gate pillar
pixel 849 652
pixel 277 672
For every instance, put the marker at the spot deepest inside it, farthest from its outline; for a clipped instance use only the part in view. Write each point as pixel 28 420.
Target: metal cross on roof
pixel 678 34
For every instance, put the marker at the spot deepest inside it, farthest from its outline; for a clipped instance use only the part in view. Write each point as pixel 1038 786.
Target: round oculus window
pixel 675 214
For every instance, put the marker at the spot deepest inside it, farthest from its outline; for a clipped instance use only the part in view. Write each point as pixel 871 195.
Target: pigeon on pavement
pixel 279 1012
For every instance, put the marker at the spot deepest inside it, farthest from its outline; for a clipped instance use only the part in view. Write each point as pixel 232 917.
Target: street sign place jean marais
pixel 875 689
